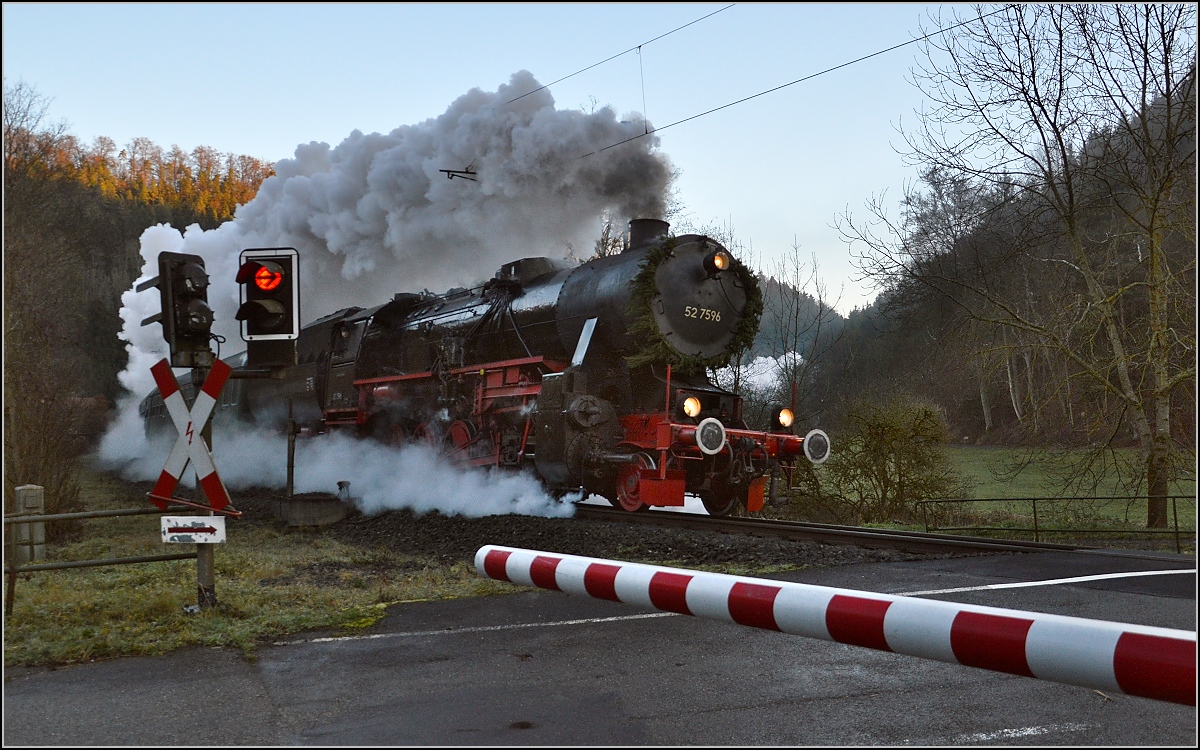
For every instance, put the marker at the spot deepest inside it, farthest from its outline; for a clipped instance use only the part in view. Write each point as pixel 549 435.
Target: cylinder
pixel 645 231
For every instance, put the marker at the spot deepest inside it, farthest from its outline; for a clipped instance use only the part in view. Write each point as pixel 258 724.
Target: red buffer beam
pixel 1157 663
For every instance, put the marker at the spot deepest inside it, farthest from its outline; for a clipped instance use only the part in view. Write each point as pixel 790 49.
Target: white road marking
pixel 484 629
pixel 1008 734
pixel 1053 582
pixel 588 621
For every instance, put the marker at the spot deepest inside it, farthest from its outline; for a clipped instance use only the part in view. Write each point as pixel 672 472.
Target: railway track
pixel 909 541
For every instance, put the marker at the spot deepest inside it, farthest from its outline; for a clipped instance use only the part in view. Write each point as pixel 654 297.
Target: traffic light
pixel 186 317
pixel 270 305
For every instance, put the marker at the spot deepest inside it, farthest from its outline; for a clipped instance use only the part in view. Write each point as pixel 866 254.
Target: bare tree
pixel 1078 124
pixel 801 316
pixel 40 417
pixel 612 239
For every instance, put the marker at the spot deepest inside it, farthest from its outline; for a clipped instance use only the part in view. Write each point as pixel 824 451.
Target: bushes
pixel 890 456
pixel 42 439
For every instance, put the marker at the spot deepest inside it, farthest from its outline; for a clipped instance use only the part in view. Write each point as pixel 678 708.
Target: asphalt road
pixel 544 668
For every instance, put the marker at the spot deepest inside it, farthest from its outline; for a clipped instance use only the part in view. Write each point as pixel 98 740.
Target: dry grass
pixel 269 582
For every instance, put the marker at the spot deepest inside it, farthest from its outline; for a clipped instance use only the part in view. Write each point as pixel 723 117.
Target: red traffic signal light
pixel 270 294
pixel 266 275
pixel 267 278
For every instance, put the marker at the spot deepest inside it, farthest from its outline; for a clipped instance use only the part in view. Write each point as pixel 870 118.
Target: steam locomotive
pixel 593 376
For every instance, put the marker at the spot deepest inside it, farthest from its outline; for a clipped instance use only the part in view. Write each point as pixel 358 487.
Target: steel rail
pixel 910 541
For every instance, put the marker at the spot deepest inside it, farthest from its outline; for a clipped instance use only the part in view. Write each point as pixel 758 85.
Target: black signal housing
pixel 269 312
pixel 186 317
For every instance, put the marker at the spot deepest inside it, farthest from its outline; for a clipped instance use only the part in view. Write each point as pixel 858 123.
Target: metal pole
pixel 291 456
pixel 206 568
pixel 1036 536
pixel 667 403
pixel 1175 512
pixel 101 563
pixel 10 560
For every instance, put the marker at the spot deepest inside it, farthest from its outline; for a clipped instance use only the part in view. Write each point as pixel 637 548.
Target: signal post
pixel 269 284
pixel 206 558
pixel 186 320
pixel 270 324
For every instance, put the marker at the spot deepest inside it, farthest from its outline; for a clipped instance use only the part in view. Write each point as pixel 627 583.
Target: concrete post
pixel 206 566
pixel 30 538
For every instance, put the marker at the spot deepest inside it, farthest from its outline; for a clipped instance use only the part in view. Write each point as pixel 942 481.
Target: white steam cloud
pixel 381 478
pixel 375 216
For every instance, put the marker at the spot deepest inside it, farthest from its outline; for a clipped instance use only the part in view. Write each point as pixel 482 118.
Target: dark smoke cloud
pixel 376 210
pixel 374 216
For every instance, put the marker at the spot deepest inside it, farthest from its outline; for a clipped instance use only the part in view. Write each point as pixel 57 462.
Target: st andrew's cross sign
pixel 190 447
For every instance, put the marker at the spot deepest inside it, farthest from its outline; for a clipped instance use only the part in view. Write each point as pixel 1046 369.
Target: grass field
pixel 999 502
pixel 272 583
pixel 1075 514
pixel 987 468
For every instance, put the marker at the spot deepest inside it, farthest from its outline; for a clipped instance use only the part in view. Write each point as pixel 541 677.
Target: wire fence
pixel 1120 520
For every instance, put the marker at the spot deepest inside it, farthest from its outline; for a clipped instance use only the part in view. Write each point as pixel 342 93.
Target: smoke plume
pixel 381 477
pixel 375 215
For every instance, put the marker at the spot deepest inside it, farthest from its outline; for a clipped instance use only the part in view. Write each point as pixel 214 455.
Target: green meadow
pixel 992 471
pixel 1104 505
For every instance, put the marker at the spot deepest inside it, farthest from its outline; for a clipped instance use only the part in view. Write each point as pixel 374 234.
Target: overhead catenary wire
pixel 626 52
pixel 793 83
pixel 642 74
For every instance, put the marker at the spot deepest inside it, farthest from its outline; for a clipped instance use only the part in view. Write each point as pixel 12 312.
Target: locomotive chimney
pixel 644 231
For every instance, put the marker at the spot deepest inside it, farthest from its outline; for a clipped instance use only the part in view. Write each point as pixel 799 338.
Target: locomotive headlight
pixel 691 406
pixel 710 436
pixel 782 419
pixel 717 261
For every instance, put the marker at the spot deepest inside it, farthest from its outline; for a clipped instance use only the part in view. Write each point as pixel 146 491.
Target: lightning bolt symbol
pixel 189 432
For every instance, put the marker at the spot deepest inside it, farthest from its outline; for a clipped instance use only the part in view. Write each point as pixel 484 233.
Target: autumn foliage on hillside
pixel 204 183
pixel 73 215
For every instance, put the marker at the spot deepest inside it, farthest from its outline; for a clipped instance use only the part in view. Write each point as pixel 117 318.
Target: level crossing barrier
pixel 1150 662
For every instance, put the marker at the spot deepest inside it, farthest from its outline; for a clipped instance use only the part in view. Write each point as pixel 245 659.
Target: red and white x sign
pixel 190 446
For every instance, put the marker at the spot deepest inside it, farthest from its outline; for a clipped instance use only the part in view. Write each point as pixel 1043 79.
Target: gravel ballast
pixel 449 539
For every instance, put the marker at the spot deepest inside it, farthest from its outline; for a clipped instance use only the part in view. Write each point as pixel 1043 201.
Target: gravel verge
pixel 450 539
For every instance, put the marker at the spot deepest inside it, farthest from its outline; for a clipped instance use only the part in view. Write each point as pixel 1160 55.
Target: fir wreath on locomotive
pixel 592 375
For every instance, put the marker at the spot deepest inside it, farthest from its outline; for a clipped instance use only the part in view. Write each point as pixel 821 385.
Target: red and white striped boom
pixel 1157 663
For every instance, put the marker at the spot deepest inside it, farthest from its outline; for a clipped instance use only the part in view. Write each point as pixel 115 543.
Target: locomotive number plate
pixel 701 313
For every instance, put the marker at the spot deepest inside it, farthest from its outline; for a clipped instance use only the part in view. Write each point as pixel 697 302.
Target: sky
pixel 263 79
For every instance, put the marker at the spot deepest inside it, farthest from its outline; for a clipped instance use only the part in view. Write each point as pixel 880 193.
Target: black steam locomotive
pixel 591 375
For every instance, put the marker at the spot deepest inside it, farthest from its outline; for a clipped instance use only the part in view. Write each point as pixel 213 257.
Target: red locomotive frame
pixel 513 386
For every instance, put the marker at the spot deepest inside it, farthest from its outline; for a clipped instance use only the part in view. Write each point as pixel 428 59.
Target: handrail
pixel 12 568
pixel 30 518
